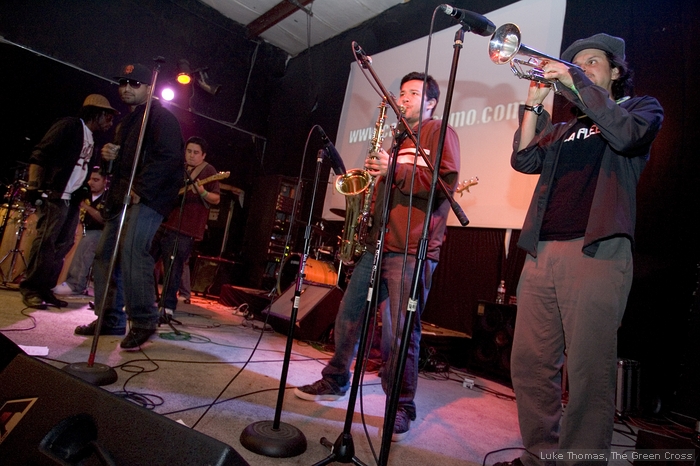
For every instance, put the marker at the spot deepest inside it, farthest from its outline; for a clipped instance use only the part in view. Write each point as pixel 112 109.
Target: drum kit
pixel 17 231
pixel 323 265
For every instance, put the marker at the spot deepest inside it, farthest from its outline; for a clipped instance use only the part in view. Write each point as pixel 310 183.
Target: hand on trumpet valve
pixel 557 71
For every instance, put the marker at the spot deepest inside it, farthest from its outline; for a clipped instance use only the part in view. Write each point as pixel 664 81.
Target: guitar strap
pixel 195 173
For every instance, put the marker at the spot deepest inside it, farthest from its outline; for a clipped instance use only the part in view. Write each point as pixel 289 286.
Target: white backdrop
pixel 484 109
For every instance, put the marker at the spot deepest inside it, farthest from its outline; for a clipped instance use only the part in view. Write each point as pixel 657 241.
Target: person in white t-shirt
pixel 58 167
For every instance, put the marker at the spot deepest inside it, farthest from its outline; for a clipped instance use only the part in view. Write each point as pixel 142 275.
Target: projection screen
pixel 484 110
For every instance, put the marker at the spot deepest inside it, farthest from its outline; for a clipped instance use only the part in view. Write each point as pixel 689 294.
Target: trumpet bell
pixel 504 44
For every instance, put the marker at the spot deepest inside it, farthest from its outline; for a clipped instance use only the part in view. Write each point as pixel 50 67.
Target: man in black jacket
pixel 153 194
pixel 58 168
pixel 579 235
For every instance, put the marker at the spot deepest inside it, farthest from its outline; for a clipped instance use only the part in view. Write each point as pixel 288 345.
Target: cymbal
pixel 339 212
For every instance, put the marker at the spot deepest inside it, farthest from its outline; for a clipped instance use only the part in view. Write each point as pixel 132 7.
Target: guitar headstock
pixel 466 184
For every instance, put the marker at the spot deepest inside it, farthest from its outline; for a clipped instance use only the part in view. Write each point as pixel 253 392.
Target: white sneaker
pixel 63 289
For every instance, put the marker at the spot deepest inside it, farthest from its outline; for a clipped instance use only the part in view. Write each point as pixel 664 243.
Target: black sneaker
pixel 515 462
pixel 52 300
pixel 136 338
pixel 402 424
pixel 321 390
pixel 89 329
pixel 34 302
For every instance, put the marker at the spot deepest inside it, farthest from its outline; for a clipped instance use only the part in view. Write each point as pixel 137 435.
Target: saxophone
pixel 357 185
pixel 82 217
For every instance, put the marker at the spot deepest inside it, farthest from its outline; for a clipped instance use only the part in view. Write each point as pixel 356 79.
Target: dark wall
pixel 284 100
pixel 100 37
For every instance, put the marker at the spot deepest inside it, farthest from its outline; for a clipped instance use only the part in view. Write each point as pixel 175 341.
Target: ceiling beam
pixel 273 16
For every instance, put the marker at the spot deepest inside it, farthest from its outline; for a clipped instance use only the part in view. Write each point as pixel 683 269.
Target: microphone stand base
pixel 97 374
pixel 342 451
pixel 262 438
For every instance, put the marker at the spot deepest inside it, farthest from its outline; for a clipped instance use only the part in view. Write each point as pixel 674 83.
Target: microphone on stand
pixel 332 153
pixel 364 58
pixel 478 24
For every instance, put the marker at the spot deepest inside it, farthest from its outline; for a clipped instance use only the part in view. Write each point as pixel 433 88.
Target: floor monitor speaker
pixel 8 351
pixel 211 273
pixel 318 306
pixel 50 417
pixel 492 340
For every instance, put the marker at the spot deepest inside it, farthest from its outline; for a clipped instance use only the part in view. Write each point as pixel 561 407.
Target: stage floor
pixel 223 373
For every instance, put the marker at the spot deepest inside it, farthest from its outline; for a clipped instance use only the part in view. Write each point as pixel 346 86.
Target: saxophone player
pixel 91 210
pixel 407 209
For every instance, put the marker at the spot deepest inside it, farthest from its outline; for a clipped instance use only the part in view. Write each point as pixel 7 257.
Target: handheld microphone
pixel 478 24
pixel 336 162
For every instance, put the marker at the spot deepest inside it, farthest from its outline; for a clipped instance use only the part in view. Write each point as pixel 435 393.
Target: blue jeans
pixel 185 290
pixel 55 236
pixel 350 318
pixel 79 271
pixel 132 285
pixel 162 248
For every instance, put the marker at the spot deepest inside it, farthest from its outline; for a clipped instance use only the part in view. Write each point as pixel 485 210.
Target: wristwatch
pixel 537 109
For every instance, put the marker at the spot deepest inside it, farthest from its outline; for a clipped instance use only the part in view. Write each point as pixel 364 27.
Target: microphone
pixel 332 153
pixel 476 23
pixel 364 58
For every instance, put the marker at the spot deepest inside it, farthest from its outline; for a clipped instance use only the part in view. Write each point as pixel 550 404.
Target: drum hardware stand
pixel 90 371
pixel 16 251
pixel 274 438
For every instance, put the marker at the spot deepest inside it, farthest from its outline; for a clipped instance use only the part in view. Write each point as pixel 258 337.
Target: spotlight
pixel 167 94
pixel 212 89
pixel 183 72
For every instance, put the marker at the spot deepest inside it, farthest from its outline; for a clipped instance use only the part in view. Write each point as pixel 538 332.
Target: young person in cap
pixel 58 168
pixel 579 233
pixel 154 191
pixel 91 209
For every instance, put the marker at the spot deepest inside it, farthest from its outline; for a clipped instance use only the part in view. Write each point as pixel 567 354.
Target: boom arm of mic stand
pixel 456 208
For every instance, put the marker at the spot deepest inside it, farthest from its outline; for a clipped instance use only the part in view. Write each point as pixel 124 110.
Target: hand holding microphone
pixel 109 152
pixel 34 196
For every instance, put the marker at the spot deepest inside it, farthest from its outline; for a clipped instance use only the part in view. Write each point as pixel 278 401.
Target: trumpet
pixel 505 46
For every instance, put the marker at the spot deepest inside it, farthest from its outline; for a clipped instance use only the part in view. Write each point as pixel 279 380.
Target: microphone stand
pixel 343 450
pixel 421 254
pixel 164 317
pixel 90 371
pixel 273 438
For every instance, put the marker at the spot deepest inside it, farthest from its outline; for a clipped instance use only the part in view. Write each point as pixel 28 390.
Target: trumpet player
pixel 578 234
pixel 408 202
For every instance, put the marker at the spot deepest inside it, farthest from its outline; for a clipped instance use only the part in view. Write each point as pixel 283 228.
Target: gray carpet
pixel 182 377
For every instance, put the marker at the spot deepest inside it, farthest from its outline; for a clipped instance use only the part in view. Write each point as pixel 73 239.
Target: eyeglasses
pixel 134 84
